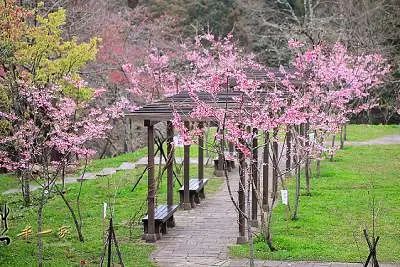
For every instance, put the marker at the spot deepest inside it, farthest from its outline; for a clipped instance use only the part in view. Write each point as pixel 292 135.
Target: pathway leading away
pixel 201 235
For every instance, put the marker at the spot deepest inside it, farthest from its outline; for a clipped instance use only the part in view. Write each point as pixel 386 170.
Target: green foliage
pixel 47 56
pixel 331 221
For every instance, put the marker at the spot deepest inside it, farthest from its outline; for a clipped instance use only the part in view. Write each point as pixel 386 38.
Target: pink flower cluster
pixel 51 123
pixel 322 87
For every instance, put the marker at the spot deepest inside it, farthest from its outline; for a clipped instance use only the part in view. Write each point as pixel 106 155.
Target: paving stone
pixel 87 176
pixel 106 172
pixel 126 166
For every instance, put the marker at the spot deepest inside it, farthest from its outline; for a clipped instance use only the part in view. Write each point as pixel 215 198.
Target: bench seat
pixel 196 191
pixel 163 217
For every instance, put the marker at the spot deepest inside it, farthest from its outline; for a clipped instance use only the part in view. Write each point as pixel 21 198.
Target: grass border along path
pixel 331 221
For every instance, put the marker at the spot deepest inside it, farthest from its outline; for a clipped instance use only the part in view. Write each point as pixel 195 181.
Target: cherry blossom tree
pixel 51 131
pixel 316 94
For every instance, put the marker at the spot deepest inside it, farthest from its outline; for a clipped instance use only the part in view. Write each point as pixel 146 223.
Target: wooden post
pixel 241 239
pixel 219 170
pixel 255 184
pixel 275 164
pixel 170 167
pixel 151 235
pixel 186 166
pixel 288 150
pixel 201 154
pixel 265 202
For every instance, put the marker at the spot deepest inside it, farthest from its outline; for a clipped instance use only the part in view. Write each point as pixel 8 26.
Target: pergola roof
pixel 183 104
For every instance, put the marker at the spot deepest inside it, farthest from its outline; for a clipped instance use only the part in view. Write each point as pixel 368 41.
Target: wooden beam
pixel 151 235
pixel 170 166
pixel 186 172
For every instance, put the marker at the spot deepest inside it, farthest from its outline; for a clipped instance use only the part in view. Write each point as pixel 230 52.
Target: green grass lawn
pixel 129 206
pixel 363 132
pixel 331 221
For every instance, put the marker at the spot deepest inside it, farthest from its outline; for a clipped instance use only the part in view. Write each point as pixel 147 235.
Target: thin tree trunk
pixel 297 196
pixel 78 226
pixel 333 145
pixel 40 224
pixel 307 162
pixel 342 137
pixel 26 193
pixel 249 232
pixel 345 132
pixel 318 166
pixel 297 174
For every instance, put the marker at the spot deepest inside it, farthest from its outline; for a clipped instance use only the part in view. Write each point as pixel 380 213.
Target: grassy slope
pixel 69 252
pixel 363 132
pixel 331 220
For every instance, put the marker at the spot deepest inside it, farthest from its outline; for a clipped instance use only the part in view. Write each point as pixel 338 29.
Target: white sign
pixel 104 210
pixel 311 137
pixel 178 141
pixel 284 195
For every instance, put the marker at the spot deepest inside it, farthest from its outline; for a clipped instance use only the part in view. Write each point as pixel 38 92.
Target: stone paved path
pixel 86 176
pixel 386 140
pixel 201 235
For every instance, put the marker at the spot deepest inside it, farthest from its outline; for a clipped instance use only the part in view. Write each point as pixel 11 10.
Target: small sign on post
pixel 311 137
pixel 284 195
pixel 104 210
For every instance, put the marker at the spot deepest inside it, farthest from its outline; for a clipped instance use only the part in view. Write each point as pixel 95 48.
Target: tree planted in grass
pixel 322 87
pixel 51 114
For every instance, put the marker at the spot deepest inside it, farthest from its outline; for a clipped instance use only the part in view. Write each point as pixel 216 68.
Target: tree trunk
pixel 333 145
pixel 249 232
pixel 26 194
pixel 297 196
pixel 297 175
pixel 307 162
pixel 40 223
pixel 78 226
pixel 318 168
pixel 342 137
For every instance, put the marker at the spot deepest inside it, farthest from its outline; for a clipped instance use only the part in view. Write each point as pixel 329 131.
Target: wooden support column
pixel 288 150
pixel 201 154
pixel 170 167
pixel 241 239
pixel 151 235
pixel 255 184
pixel 186 170
pixel 265 202
pixel 275 164
pixel 219 168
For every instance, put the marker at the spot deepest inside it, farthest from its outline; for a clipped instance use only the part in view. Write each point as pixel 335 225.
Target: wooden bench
pixel 230 164
pixel 163 217
pixel 196 191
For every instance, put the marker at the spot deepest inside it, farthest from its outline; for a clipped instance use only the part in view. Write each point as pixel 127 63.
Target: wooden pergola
pixel 162 111
pixel 183 104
